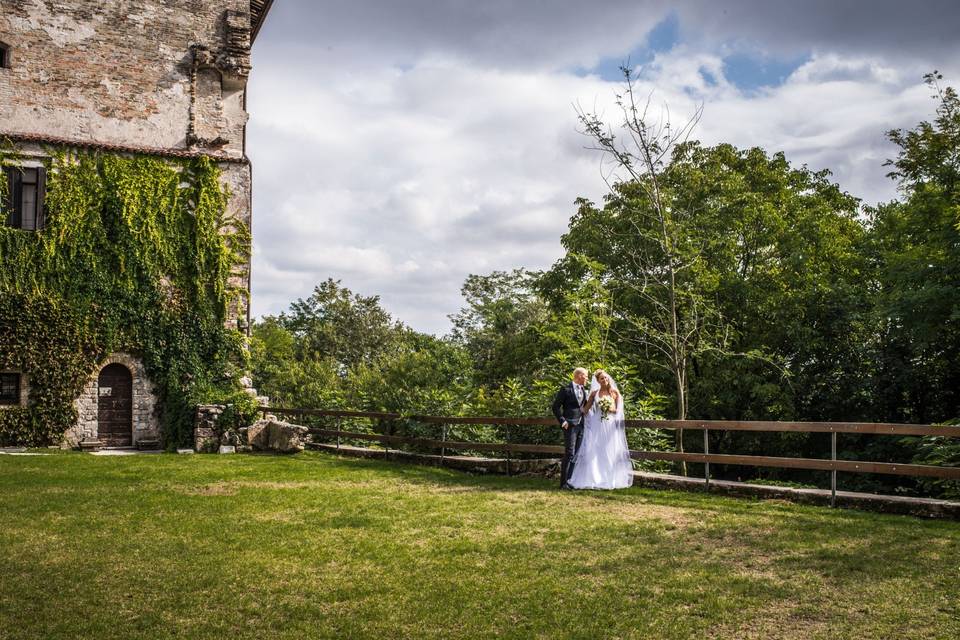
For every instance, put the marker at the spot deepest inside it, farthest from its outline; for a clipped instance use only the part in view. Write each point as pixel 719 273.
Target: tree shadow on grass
pixel 807 519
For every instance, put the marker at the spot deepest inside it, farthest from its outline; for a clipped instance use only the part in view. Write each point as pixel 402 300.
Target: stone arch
pixel 145 422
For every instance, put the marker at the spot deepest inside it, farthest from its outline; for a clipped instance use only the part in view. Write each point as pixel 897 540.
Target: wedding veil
pixel 595 386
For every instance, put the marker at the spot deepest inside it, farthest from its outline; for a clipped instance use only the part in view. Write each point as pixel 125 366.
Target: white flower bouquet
pixel 606 405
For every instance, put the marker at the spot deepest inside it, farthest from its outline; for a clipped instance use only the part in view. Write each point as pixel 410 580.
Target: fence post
pixel 386 443
pixel 508 448
pixel 833 472
pixel 338 432
pixel 443 439
pixel 706 463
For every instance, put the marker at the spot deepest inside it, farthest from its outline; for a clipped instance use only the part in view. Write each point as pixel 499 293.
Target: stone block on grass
pixel 277 436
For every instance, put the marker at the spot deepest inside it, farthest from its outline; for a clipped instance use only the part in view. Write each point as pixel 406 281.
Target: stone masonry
pixel 166 77
pixel 161 77
pixel 137 72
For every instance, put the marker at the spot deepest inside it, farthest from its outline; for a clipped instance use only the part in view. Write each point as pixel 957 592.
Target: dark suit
pixel 567 408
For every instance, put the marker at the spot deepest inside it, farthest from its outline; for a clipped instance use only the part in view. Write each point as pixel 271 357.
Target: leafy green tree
pixel 501 326
pixel 677 319
pixel 426 375
pixel 915 246
pixel 336 323
pixel 342 350
pixel 775 252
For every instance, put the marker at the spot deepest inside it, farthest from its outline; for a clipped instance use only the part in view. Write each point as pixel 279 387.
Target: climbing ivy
pixel 136 256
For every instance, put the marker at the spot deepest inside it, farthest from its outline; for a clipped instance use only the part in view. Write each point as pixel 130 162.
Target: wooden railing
pixel 833 465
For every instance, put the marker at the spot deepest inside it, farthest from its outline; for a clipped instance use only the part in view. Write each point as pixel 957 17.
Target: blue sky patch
pixel 747 70
pixel 662 38
pixel 752 71
pixel 708 77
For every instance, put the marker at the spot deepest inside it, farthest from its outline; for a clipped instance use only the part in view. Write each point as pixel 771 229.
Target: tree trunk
pixel 681 411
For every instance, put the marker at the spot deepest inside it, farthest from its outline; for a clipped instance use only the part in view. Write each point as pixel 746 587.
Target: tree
pixel 500 326
pixel 288 373
pixel 678 320
pixel 775 256
pixel 915 246
pixel 780 254
pixel 342 350
pixel 335 323
pixel 426 375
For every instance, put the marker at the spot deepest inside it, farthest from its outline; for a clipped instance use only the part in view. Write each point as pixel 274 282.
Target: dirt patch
pixel 217 489
pixel 269 484
pixel 783 620
pixel 284 517
pixel 229 488
pixel 632 511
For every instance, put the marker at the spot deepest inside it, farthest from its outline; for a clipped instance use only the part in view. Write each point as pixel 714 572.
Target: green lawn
pixel 318 546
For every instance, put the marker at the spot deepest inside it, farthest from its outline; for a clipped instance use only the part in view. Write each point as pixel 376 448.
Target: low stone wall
pixel 206 435
pixel 539 466
pixel 268 434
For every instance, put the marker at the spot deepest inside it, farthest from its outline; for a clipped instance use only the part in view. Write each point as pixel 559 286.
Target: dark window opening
pixel 9 388
pixel 4 56
pixel 24 201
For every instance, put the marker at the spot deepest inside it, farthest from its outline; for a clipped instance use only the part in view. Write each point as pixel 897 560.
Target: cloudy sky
pixel 400 145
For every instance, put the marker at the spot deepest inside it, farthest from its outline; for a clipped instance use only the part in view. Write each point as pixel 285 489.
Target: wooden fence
pixel 833 465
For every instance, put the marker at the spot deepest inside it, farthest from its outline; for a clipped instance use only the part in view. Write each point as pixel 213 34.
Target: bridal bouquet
pixel 606 406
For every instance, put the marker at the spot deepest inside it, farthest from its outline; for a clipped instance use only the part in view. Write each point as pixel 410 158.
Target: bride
pixel 603 459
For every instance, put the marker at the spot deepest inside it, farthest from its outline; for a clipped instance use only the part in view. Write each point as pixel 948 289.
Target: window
pixel 4 56
pixel 9 388
pixel 24 205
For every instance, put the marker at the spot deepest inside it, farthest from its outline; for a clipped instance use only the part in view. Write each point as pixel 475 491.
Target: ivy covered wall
pixel 136 256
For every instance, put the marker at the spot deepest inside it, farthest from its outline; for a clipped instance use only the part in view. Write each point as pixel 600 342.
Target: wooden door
pixel 115 406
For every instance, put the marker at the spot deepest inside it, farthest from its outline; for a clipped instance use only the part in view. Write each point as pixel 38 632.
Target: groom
pixel 568 408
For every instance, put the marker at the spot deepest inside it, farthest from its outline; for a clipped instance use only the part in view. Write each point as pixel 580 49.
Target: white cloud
pixel 428 156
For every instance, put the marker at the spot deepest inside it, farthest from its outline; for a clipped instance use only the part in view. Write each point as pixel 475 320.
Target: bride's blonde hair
pixel 596 375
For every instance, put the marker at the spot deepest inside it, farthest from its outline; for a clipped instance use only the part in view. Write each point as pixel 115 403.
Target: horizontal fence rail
pixel 876 428
pixel 818 464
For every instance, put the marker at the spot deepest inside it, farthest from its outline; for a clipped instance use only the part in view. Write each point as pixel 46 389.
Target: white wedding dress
pixel 603 459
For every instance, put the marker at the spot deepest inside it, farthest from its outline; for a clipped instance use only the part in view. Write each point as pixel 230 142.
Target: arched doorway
pixel 115 406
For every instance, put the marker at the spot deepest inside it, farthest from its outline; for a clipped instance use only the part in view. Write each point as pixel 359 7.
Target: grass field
pixel 318 546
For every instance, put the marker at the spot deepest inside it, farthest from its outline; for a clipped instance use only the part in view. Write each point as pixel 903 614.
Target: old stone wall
pixel 206 433
pixel 163 77
pixel 158 76
pixel 237 178
pixel 129 72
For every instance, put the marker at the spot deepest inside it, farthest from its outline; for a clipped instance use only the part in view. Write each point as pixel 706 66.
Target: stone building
pixel 160 77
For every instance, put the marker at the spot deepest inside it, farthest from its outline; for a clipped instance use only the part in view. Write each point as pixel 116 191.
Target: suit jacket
pixel 566 407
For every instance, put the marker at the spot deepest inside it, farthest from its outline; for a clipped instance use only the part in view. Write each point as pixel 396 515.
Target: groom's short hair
pixel 580 370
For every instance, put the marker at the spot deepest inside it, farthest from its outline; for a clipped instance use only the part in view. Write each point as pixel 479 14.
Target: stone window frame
pixel 23 390
pixel 14 210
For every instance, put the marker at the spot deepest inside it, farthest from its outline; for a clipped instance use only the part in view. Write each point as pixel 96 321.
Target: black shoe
pixel 566 487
